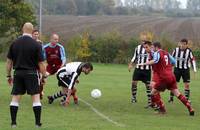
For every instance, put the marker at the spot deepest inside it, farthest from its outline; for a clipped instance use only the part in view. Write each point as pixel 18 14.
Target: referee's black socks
pixel 37 108
pixel 13 112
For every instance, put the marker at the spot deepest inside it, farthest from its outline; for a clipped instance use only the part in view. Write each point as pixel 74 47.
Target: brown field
pixel 128 26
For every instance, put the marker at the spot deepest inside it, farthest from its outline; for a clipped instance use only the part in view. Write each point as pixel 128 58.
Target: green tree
pixel 13 14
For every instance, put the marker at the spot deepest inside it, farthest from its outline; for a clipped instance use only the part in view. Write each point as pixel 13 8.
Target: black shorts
pixel 184 73
pixel 63 81
pixel 25 81
pixel 142 75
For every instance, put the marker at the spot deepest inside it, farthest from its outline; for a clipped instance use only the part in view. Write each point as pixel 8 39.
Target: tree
pixel 83 52
pixel 193 5
pixel 171 4
pixel 13 14
pixel 93 7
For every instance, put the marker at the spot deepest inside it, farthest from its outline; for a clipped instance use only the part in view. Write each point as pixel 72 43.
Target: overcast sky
pixel 183 3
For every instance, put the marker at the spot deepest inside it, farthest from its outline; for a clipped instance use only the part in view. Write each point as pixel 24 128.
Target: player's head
pixel 87 67
pixel 183 44
pixel 156 46
pixel 27 28
pixel 147 46
pixel 54 38
pixel 35 34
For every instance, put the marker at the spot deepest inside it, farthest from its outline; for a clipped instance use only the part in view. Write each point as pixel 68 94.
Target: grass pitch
pixel 114 82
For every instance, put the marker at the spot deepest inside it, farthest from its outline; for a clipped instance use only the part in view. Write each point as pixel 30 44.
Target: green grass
pixel 114 82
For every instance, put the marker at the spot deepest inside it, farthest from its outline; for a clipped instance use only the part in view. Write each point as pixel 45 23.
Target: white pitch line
pixel 101 114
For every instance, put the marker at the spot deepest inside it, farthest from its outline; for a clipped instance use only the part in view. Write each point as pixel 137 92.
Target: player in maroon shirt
pixel 54 54
pixel 163 76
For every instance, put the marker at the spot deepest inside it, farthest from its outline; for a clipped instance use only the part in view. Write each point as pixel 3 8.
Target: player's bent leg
pixel 134 91
pixel 148 91
pixel 55 96
pixel 64 97
pixel 156 99
pixel 171 98
pixel 37 109
pixel 184 100
pixel 14 104
pixel 74 90
pixel 187 90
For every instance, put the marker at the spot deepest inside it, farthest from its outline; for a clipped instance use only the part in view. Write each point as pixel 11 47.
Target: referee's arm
pixel 9 65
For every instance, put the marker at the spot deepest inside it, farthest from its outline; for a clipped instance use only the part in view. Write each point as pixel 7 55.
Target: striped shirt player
pixel 185 59
pixel 141 73
pixel 54 53
pixel 67 77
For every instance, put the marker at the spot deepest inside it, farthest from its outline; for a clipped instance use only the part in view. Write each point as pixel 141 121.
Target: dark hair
pixel 157 44
pixel 147 43
pixel 184 40
pixel 35 30
pixel 88 65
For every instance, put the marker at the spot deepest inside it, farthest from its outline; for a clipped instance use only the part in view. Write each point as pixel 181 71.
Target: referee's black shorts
pixel 184 73
pixel 25 81
pixel 142 75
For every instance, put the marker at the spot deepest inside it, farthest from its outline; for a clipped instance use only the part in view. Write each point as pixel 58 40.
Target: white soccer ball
pixel 96 93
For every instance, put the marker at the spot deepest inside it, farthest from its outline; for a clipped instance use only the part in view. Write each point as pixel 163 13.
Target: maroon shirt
pixel 54 57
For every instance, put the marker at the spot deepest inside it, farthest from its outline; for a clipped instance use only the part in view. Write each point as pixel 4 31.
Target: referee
pixel 141 73
pixel 184 58
pixel 25 57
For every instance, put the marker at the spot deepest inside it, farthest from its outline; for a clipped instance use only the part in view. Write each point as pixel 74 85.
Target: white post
pixel 40 23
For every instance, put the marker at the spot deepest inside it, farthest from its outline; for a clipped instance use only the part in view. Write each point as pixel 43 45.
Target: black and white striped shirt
pixel 72 70
pixel 141 56
pixel 184 58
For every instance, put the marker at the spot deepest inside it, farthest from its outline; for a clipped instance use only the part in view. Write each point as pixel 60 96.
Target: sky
pixel 183 3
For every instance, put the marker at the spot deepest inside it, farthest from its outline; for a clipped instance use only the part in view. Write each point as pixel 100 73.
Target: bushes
pixel 107 48
pixel 197 57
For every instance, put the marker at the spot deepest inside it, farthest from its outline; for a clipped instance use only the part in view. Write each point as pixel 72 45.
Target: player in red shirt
pixel 163 76
pixel 54 54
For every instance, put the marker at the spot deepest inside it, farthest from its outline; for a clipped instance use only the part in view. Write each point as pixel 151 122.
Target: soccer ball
pixel 96 93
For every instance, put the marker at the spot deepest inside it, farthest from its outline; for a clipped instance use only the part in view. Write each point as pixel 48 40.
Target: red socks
pixel 156 99
pixel 184 101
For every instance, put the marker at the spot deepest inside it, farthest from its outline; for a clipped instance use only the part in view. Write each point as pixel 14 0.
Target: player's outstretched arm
pixel 151 62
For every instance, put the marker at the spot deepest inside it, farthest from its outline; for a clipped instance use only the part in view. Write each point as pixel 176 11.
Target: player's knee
pixel 187 86
pixel 134 83
pixel 175 92
pixel 35 104
pixel 14 103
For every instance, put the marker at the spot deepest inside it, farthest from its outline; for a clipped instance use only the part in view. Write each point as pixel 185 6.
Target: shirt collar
pixel 27 34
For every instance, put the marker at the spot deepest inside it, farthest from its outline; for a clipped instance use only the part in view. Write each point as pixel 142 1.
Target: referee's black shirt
pixel 25 53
